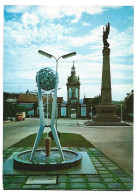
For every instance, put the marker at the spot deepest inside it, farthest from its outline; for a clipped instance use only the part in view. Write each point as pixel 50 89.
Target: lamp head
pixel 44 54
pixel 69 55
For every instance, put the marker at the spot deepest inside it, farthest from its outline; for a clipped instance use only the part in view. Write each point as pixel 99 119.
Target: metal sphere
pixel 47 78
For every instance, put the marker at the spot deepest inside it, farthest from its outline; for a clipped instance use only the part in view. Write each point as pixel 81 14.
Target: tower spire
pixel 73 68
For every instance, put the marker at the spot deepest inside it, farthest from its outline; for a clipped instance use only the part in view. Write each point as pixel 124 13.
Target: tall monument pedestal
pixel 106 110
pixel 106 113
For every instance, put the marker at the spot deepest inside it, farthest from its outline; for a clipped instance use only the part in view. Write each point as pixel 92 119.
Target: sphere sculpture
pixel 47 78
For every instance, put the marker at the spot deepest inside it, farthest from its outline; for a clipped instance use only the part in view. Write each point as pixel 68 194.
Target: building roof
pixel 31 98
pixel 14 95
pixel 87 100
pixel 24 98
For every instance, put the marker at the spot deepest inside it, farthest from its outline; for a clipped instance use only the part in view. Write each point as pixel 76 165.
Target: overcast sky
pixel 59 30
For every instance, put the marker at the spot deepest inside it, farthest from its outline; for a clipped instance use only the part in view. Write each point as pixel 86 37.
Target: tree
pixel 127 107
pixel 95 102
pixel 5 106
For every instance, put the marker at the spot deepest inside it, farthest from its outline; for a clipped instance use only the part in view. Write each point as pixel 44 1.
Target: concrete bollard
pixel 47 146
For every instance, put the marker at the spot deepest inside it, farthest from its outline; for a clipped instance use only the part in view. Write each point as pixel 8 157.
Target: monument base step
pixel 92 123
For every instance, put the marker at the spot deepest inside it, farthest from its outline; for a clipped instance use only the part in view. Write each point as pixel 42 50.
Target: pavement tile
pixel 62 178
pixel 57 186
pixel 12 186
pixel 41 179
pixel 97 186
pixel 109 165
pixel 115 186
pixel 78 186
pixel 101 169
pixel 122 175
pixel 6 177
pixel 108 175
pixel 103 159
pixel 117 171
pixel 126 179
pixel 129 185
pixel 75 176
pixel 95 161
pixel 110 179
pixel 103 172
pixel 76 180
pixel 93 149
pixel 5 180
pixel 113 168
pixel 31 187
pixel 92 176
pixel 94 180
pixel 99 155
pixel 98 165
pixel 17 179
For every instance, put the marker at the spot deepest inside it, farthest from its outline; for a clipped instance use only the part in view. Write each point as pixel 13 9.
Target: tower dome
pixel 73 79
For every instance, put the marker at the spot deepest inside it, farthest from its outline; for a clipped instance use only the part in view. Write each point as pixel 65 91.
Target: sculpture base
pixel 40 162
pixel 106 113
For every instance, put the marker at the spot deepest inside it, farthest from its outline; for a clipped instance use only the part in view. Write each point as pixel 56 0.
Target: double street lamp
pixel 55 89
pixel 50 56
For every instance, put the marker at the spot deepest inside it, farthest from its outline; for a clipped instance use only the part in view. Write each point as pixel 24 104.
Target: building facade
pixel 73 95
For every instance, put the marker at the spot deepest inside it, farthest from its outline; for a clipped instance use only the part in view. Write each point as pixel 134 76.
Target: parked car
pixel 20 116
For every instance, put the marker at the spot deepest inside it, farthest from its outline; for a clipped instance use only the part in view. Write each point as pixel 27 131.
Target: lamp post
pixel 57 110
pixel 47 109
pixel 121 112
pixel 91 113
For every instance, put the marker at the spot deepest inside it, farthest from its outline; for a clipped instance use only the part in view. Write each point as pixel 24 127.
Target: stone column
pixel 106 78
pixel 106 111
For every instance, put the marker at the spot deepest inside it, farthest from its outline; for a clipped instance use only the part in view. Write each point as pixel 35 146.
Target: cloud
pixel 30 20
pixel 121 42
pixel 16 8
pixel 86 24
pixel 56 12
pixel 119 91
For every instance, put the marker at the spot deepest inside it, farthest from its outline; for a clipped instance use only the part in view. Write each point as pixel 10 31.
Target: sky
pixel 59 30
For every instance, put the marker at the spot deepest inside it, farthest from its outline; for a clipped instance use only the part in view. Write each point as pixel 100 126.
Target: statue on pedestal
pixel 105 35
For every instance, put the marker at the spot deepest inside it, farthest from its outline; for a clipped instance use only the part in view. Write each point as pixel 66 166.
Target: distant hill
pixel 116 102
pixel 81 102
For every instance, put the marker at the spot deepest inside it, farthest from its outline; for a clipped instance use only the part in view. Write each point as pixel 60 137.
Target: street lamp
pixel 57 109
pixel 121 112
pixel 50 56
pixel 54 105
pixel 91 113
pixel 47 109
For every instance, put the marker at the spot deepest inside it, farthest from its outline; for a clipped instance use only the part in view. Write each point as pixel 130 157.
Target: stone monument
pixel 106 110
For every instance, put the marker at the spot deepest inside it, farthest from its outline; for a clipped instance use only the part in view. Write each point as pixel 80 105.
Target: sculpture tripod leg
pixel 52 124
pixel 41 114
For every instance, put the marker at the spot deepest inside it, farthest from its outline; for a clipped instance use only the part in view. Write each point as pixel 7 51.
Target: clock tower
pixel 73 94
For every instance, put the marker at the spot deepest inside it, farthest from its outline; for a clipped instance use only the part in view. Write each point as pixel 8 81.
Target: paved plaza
pixel 111 156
